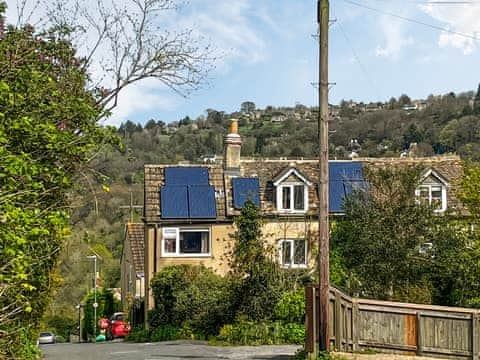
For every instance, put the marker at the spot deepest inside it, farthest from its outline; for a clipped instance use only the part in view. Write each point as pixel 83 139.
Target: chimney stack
pixel 233 145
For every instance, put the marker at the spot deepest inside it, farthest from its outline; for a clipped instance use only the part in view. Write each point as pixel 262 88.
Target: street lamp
pixel 95 305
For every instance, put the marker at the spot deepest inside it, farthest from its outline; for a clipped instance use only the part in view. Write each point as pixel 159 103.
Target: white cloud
pixel 141 97
pixel 459 18
pixel 395 38
pixel 232 27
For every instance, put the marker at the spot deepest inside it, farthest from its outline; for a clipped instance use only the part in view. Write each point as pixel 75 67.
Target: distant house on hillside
pixel 189 210
pixel 278 116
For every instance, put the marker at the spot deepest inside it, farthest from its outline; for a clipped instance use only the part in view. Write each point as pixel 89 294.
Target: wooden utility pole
pixel 323 227
pixel 131 207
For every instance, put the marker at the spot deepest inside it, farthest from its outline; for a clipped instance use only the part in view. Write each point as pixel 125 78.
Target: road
pixel 170 350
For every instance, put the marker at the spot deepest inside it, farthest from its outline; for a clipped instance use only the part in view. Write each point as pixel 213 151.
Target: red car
pixel 118 327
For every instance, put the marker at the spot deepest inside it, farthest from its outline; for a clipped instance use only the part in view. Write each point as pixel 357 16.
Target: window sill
pixel 292 212
pixel 186 255
pixel 302 266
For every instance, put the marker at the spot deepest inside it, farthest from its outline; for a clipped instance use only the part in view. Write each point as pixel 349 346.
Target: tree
pixel 382 236
pixel 48 133
pixel 476 102
pixel 404 100
pixel 258 280
pixel 125 45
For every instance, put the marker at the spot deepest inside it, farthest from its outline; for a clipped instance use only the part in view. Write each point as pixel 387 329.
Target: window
pixel 186 242
pixel 292 197
pixel 434 195
pixel 293 253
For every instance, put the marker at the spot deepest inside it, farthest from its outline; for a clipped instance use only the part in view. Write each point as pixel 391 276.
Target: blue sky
pixel 270 57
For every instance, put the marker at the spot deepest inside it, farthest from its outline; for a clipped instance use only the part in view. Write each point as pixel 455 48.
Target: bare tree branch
pixel 122 44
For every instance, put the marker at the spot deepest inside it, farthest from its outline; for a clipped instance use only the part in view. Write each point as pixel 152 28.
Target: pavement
pixel 169 350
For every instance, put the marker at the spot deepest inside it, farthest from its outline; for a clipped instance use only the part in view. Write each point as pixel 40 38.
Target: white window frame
pixel 177 231
pixel 430 199
pixel 440 183
pixel 281 183
pixel 292 256
pixel 292 209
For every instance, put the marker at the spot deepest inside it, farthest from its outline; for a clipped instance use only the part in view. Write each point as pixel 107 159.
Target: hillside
pixel 439 124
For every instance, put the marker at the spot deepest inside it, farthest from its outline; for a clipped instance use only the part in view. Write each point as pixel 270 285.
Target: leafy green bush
pixel 291 307
pixel 61 325
pixel 60 339
pixel 165 333
pixel 293 333
pixel 261 333
pixel 138 334
pixel 191 297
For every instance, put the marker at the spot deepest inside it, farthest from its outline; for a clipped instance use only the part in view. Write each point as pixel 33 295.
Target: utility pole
pixel 323 227
pixel 132 207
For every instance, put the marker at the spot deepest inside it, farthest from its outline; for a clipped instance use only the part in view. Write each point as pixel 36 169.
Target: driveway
pixel 170 350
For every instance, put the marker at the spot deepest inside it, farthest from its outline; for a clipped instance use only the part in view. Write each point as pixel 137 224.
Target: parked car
pixel 118 326
pixel 46 338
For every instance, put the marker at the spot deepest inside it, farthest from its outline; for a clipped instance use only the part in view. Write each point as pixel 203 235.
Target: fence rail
pixel 357 324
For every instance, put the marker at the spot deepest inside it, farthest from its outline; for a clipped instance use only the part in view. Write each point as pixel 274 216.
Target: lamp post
pixel 79 307
pixel 95 305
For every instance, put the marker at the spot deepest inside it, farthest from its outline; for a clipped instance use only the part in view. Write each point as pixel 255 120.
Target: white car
pixel 46 338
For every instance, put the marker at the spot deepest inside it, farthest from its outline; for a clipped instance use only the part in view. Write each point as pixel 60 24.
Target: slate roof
pixel 154 179
pixel 267 170
pixel 135 237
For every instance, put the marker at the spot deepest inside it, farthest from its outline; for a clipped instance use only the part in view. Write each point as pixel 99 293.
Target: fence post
pixel 355 324
pixel 419 334
pixel 311 321
pixel 338 321
pixel 474 336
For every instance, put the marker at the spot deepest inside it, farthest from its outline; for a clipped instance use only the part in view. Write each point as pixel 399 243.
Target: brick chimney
pixel 233 145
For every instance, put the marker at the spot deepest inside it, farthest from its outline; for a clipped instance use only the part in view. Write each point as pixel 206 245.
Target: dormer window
pixel 433 191
pixel 292 191
pixel 292 197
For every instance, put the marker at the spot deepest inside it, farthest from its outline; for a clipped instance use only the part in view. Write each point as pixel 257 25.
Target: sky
pixel 377 49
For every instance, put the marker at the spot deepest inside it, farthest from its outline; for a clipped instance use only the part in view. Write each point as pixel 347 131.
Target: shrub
pixel 61 325
pixel 291 307
pixel 60 339
pixel 263 333
pixel 138 334
pixel 293 333
pixel 191 297
pixel 165 333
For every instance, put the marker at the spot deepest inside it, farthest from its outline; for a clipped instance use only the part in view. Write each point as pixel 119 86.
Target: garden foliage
pixel 48 132
pixel 255 304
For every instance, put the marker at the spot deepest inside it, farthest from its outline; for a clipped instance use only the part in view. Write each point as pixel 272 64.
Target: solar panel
pixel 336 194
pixel 338 171
pixel 245 189
pixel 174 201
pixel 186 176
pixel 201 201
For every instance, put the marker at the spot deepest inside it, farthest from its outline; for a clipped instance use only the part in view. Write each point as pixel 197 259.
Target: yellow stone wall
pixel 222 243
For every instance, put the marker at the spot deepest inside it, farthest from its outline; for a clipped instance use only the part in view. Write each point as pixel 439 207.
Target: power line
pixel 357 59
pixel 418 22
pixel 427 2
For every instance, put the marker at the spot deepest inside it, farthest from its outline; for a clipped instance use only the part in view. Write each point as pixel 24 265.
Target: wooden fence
pixel 358 324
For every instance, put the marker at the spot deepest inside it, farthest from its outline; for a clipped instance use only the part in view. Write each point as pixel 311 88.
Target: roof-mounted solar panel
pixel 339 171
pixel 174 202
pixel 201 202
pixel 186 176
pixel 245 189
